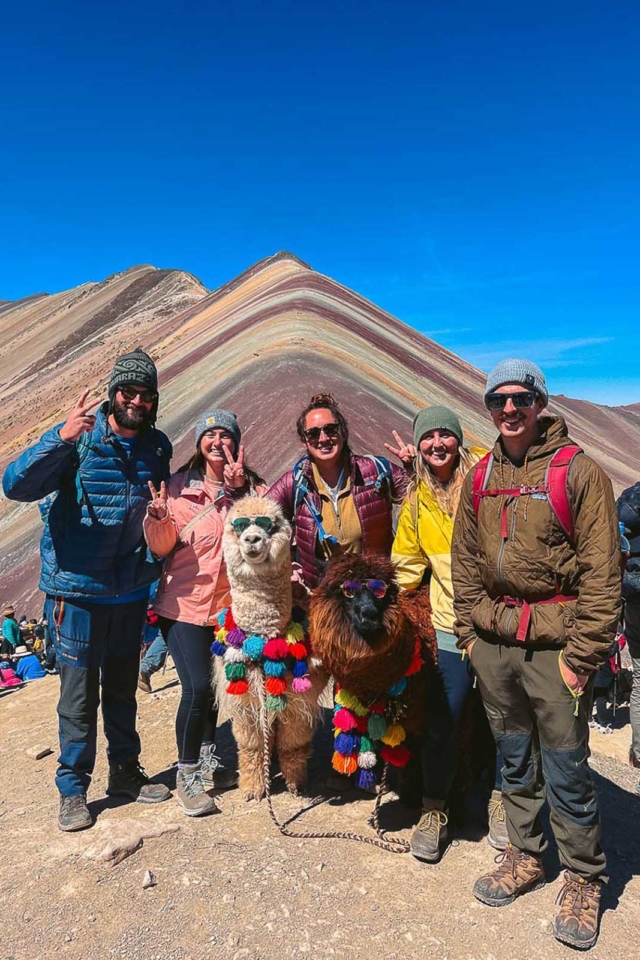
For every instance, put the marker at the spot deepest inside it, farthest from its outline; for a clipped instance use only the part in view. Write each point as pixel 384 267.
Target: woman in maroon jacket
pixel 337 501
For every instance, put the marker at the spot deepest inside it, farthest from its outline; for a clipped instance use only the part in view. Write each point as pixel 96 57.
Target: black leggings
pixel 197 717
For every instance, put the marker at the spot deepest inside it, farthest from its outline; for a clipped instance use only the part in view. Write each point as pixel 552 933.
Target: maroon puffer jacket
pixel 374 511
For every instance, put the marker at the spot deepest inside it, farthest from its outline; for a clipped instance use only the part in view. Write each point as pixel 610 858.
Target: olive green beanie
pixel 435 418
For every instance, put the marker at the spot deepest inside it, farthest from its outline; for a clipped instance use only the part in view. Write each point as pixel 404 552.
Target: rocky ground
pixel 231 886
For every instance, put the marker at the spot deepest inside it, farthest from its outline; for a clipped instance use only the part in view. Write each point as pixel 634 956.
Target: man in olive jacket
pixel 536 577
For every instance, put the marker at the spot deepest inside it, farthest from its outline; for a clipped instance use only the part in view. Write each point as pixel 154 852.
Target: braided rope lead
pixel 392 844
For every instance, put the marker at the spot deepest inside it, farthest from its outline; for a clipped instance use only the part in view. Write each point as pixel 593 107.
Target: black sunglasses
pixel 240 524
pixel 130 393
pixel 521 400
pixel 330 430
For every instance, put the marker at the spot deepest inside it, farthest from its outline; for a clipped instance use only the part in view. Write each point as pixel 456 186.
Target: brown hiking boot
pixel 144 682
pixel 517 872
pixel 498 838
pixel 430 834
pixel 578 919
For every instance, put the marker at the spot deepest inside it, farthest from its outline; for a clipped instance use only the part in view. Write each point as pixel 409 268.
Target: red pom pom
pixel 397 756
pixel 229 622
pixel 298 651
pixel 238 687
pixel 345 720
pixel 378 707
pixel 275 649
pixel 276 686
pixel 415 666
pixel 361 724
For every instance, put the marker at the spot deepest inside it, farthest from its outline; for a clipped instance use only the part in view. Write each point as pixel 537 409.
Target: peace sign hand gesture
pixel 404 451
pixel 158 509
pixel 234 475
pixel 80 419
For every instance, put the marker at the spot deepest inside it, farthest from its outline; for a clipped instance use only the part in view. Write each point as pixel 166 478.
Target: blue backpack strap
pixel 83 445
pixel 301 495
pixel 384 474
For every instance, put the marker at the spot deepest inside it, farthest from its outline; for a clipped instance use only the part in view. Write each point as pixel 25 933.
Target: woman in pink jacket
pixel 184 524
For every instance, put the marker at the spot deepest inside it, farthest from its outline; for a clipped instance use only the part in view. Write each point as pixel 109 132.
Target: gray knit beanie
pixel 135 367
pixel 436 418
pixel 523 372
pixel 224 420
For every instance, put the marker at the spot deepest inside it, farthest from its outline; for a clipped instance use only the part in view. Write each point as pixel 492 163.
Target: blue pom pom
pixel 253 647
pixel 346 744
pixel 221 617
pixel 300 668
pixel 275 668
pixel 218 649
pixel 398 687
pixel 365 779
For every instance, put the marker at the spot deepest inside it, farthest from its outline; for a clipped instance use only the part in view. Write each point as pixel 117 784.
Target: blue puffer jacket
pixel 92 544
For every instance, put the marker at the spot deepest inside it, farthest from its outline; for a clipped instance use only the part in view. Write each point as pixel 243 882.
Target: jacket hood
pixel 553 435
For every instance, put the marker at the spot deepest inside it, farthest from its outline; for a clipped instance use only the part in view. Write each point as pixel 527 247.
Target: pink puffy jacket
pixel 194 585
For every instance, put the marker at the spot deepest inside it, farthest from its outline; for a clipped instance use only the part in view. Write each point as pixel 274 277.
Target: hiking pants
pixel 97 645
pixel 545 747
pixel 632 633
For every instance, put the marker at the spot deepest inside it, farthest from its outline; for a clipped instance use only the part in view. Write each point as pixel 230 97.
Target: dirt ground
pixel 231 886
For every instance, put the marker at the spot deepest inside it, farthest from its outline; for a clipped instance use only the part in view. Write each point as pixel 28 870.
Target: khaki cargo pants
pixel 542 731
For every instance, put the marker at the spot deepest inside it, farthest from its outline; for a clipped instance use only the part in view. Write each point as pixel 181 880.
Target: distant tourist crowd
pixel 531 570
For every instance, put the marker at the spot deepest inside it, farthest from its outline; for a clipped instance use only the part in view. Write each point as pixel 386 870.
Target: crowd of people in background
pixel 519 549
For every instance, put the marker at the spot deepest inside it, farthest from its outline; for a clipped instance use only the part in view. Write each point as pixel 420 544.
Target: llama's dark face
pixel 364 603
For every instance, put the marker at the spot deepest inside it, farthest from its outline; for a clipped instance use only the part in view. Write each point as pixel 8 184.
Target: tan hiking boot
pixel 430 835
pixel 578 919
pixel 191 793
pixel 498 838
pixel 215 775
pixel 517 873
pixel 144 682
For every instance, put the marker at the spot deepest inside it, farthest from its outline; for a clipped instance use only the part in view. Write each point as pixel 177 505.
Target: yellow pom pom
pixel 395 734
pixel 351 702
pixel 221 634
pixel 295 633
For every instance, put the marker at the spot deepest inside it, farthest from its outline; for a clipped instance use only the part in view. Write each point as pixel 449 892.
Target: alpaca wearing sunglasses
pixel 257 552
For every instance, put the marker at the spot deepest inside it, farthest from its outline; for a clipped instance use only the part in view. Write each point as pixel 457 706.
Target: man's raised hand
pixel 158 508
pixel 234 475
pixel 80 420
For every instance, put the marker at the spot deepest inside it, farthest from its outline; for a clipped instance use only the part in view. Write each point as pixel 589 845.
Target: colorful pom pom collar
pixel 281 659
pixel 364 734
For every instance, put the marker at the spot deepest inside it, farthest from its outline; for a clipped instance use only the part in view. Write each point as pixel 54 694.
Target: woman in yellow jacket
pixel 423 545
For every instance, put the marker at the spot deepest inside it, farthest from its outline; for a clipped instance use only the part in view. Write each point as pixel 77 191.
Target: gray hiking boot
pixel 129 780
pixel 498 838
pixel 74 813
pixel 191 793
pixel 430 835
pixel 215 775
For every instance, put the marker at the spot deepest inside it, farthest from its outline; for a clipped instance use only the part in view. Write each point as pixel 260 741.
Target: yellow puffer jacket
pixel 423 542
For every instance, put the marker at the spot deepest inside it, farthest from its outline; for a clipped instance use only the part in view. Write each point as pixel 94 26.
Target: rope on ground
pixel 392 844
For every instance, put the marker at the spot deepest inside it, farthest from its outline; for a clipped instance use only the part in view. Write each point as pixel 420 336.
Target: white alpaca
pixel 258 561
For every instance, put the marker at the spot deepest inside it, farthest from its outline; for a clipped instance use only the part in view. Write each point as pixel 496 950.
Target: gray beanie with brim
pixel 223 420
pixel 523 372
pixel 436 418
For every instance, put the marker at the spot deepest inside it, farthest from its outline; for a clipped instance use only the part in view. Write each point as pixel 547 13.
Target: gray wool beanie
pixel 223 419
pixel 135 367
pixel 523 372
pixel 435 418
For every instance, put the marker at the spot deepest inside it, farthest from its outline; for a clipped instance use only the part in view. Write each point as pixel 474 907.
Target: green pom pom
pixel 275 704
pixel 377 726
pixel 235 671
pixel 366 746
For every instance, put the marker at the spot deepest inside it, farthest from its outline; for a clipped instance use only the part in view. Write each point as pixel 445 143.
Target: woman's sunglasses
pixel 147 396
pixel 330 430
pixel 522 400
pixel 240 524
pixel 376 587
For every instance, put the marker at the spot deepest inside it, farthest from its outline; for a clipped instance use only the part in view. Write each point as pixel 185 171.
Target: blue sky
pixel 470 166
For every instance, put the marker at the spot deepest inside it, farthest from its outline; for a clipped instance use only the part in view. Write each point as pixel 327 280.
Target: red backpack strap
pixel 556 483
pixel 481 474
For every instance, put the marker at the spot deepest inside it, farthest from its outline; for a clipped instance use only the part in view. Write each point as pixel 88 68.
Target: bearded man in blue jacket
pixel 91 475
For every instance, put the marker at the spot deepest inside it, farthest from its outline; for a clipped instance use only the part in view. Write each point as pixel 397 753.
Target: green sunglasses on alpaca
pixel 240 524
